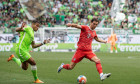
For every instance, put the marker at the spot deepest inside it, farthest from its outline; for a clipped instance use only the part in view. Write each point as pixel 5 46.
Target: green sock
pixel 17 61
pixel 34 71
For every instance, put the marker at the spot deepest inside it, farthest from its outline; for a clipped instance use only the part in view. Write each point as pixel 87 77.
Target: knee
pixel 33 63
pixel 24 68
pixel 71 67
pixel 97 61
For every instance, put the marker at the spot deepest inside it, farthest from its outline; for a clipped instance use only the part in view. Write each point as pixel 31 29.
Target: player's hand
pixel 105 42
pixel 23 25
pixel 46 41
pixel 68 25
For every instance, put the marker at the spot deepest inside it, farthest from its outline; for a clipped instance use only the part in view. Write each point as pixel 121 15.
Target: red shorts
pixel 80 54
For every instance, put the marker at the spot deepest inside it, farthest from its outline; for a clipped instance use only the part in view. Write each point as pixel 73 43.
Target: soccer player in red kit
pixel 84 49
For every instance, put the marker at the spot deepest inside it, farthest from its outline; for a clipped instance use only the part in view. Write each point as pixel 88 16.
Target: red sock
pixel 99 68
pixel 66 66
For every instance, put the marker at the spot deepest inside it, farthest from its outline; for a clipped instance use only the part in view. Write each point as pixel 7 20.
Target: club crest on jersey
pixel 74 59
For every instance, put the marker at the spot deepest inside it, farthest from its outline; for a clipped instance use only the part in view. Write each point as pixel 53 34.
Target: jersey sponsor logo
pixel 89 35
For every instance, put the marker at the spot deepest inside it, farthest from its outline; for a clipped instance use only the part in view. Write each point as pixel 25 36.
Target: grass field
pixel 125 69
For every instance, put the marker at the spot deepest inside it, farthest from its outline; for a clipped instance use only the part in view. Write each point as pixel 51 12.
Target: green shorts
pixel 23 54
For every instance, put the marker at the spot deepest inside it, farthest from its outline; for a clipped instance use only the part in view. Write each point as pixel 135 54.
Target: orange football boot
pixel 38 81
pixel 10 58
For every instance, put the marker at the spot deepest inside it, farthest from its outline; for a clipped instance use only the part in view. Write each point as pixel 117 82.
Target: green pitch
pixel 125 69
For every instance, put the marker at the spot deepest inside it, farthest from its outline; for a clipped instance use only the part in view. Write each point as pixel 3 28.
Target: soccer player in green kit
pixel 22 48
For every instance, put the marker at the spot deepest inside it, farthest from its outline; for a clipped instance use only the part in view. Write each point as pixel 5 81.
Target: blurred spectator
pixel 60 12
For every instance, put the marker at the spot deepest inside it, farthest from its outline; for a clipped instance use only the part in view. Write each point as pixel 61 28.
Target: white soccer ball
pixel 81 79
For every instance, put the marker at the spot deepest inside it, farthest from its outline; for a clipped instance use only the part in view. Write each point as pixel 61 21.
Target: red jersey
pixel 86 37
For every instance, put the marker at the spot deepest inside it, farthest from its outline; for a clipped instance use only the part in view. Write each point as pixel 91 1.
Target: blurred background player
pixel 84 48
pixel 112 40
pixel 22 48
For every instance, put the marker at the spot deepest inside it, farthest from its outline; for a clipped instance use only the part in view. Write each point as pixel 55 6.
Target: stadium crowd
pixel 60 12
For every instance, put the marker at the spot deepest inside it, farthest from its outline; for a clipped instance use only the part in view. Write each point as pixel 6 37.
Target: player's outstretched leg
pixel 104 76
pixel 12 57
pixel 60 68
pixel 99 68
pixel 34 70
pixel 66 66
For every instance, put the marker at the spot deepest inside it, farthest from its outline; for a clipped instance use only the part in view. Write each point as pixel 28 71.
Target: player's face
pixel 36 26
pixel 94 24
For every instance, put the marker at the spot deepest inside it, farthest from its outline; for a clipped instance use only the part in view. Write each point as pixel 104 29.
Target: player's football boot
pixel 10 58
pixel 104 76
pixel 60 68
pixel 38 81
pixel 111 51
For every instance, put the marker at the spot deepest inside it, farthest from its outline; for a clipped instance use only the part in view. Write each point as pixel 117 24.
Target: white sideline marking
pixel 129 57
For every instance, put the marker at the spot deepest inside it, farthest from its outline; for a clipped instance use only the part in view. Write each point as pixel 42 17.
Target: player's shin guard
pixel 34 71
pixel 17 61
pixel 99 67
pixel 66 66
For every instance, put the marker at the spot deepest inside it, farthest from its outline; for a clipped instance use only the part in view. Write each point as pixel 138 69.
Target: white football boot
pixel 60 68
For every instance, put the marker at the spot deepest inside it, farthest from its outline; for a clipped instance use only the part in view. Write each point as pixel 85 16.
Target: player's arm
pixel 38 45
pixel 100 40
pixel 74 25
pixel 21 28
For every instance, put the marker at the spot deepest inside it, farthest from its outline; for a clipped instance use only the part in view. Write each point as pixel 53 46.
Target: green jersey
pixel 26 38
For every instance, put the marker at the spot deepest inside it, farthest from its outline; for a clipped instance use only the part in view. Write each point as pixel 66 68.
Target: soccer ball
pixel 81 79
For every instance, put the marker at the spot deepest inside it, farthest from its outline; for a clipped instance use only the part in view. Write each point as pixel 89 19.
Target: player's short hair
pixel 35 21
pixel 95 19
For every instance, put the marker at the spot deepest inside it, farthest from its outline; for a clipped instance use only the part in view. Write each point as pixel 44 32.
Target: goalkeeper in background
pixel 112 40
pixel 22 48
